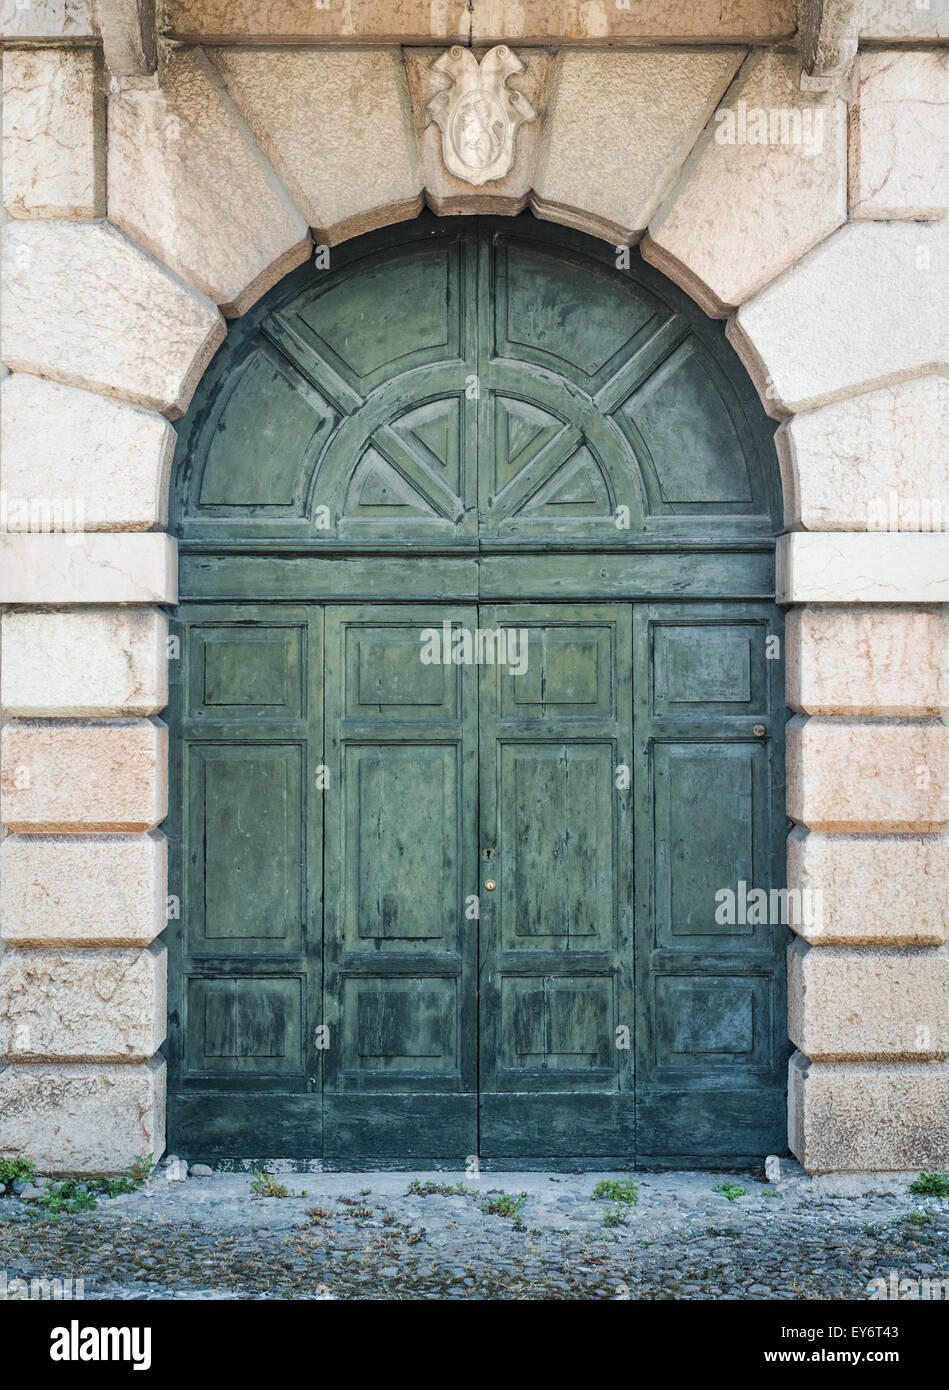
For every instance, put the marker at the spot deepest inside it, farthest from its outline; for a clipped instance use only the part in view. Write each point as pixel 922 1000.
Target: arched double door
pixel 477 709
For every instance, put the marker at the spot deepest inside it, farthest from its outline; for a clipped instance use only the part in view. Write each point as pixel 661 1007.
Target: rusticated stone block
pixel 80 776
pixel 53 147
pixel 878 462
pixel 68 1005
pixel 855 1116
pixel 868 661
pixel 83 890
pixel 868 774
pixel 871 890
pixel 104 462
pixel 93 662
pixel 899 134
pixel 874 1004
pixel 83 1118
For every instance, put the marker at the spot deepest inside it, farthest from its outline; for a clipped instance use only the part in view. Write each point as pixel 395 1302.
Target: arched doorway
pixel 474 717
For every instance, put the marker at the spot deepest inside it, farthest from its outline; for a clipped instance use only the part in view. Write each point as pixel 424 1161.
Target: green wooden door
pixel 480 422
pixel 710 1036
pixel 246 863
pixel 556 839
pixel 400 1075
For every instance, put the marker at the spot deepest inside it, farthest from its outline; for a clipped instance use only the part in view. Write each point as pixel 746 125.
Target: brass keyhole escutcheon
pixel 759 731
pixel 490 884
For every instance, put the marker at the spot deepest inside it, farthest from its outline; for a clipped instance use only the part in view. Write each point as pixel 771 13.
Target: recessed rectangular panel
pixel 568 672
pixel 689 398
pixel 242 1024
pixel 401 816
pixel 386 674
pixel 556 1022
pixel 704 807
pixel 704 669
pixel 247 871
pixel 721 1020
pixel 556 844
pixel 247 671
pixel 400 1025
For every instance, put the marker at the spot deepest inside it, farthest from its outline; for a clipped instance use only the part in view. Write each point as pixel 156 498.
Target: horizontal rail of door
pixel 682 574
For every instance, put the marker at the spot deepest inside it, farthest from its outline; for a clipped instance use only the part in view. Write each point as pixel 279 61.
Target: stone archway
pixel 108 326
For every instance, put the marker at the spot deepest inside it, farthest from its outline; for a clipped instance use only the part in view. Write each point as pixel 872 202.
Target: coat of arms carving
pixel 479 115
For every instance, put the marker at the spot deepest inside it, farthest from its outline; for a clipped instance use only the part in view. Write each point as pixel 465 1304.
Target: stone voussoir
pixel 875 1004
pixel 814 335
pixel 870 890
pixel 766 183
pixel 83 1118
pixel 641 112
pixel 868 775
pixel 91 662
pixel 183 173
pixel 83 890
pixel 103 463
pixel 337 127
pixel 62 776
pixel 64 1005
pixel 84 305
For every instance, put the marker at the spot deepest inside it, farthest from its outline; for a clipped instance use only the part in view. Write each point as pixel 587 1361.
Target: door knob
pixel 490 884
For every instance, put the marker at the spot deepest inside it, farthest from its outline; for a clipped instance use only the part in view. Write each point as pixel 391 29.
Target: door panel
pixel 556 959
pixel 246 879
pixel 246 701
pixel 672 691
pixel 711 1055
pixel 400 1075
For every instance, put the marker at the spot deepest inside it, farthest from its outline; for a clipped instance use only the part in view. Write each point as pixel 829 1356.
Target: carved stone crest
pixel 479 115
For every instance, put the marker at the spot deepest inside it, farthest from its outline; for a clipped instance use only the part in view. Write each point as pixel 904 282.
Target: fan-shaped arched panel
pixel 476 383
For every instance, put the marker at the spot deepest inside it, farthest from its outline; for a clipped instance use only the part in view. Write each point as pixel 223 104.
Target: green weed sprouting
pixel 612 1190
pixel 931 1185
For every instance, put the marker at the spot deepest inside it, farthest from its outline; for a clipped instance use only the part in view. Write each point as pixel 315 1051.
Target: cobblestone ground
pixel 376 1236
